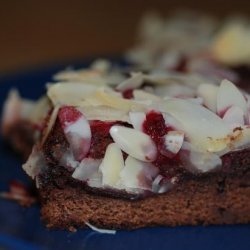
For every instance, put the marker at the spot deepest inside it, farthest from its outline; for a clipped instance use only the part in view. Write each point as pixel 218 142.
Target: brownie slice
pixel 154 148
pixel 218 197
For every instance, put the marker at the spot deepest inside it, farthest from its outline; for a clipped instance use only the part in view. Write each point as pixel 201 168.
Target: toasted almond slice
pixel 240 139
pixel 208 92
pixel 137 174
pixel 175 90
pixel 137 119
pixel 113 101
pixel 197 161
pixel 112 165
pixel 69 93
pixel 84 76
pixel 234 116
pixel 204 129
pixel 141 95
pixel 204 162
pixel 135 81
pixel 229 95
pixel 134 143
pixel 87 169
pixel 35 162
pixel 15 108
pixel 103 113
pixel 50 124
pixel 11 110
pixel 40 110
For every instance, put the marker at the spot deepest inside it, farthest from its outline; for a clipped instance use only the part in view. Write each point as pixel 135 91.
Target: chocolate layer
pixel 218 198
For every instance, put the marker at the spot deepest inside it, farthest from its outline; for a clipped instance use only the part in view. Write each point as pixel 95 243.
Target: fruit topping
pixel 154 125
pixel 77 131
pixel 143 134
pixel 128 94
pixel 173 141
pixel 100 138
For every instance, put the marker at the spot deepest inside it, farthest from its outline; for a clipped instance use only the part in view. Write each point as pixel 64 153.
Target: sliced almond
pixel 84 76
pixel 111 165
pixel 104 113
pixel 208 92
pixel 229 95
pixel 35 163
pixel 198 161
pixel 141 95
pixel 234 116
pixel 201 126
pixel 40 110
pixel 11 110
pixel 50 124
pixel 87 169
pixel 69 93
pixel 134 143
pixel 117 102
pixel 204 162
pixel 137 174
pixel 137 119
pixel 135 81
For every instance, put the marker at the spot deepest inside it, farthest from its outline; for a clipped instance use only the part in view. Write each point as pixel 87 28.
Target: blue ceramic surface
pixel 21 228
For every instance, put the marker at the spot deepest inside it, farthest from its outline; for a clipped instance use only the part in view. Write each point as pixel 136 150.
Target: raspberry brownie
pixel 155 148
pixel 194 42
pixel 23 121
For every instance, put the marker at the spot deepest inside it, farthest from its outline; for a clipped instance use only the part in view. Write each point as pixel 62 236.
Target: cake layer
pixel 216 198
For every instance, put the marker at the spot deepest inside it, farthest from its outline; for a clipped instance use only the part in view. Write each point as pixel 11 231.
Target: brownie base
pixel 199 200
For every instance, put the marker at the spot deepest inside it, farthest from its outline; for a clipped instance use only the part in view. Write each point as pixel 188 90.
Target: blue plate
pixel 21 228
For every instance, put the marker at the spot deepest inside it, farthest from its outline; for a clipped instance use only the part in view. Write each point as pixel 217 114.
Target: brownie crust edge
pixel 209 200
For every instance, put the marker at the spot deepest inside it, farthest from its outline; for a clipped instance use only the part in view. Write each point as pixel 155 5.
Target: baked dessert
pixel 155 148
pixel 193 42
pixel 23 121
